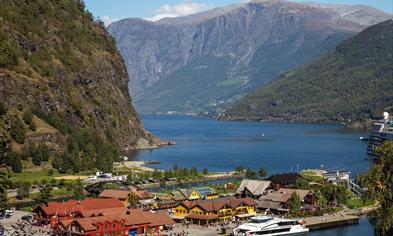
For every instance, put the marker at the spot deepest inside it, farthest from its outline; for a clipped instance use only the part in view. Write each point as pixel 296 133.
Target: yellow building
pixel 215 210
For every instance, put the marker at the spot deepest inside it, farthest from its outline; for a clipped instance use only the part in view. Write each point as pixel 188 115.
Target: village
pixel 112 205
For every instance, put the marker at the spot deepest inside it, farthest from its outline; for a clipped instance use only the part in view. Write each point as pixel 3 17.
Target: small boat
pixel 270 226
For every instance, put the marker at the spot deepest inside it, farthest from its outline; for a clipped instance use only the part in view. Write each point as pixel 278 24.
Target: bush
pixel 33 126
pixel 3 109
pixel 28 117
pixel 8 54
pixel 18 131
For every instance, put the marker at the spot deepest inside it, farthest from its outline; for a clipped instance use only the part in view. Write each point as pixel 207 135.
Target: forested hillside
pixel 353 82
pixel 63 89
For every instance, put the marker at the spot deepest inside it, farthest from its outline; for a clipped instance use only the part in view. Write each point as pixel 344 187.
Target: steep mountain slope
pixel 353 82
pixel 57 63
pixel 201 62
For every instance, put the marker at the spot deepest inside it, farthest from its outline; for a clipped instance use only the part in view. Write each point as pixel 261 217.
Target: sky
pixel 113 10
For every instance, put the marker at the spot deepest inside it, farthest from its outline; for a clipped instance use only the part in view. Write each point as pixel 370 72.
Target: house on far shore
pixel 277 201
pixel 285 180
pixel 337 177
pixel 252 188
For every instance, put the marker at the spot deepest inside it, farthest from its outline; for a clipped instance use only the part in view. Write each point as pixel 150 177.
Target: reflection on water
pixel 280 147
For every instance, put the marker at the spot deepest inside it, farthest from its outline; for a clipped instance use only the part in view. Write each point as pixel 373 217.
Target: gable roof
pixel 129 217
pixel 219 203
pixel 186 192
pixel 178 196
pixel 285 178
pixel 256 187
pixel 75 206
pixel 115 193
pixel 284 194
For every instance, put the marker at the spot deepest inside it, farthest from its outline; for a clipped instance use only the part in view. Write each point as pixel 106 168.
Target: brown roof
pixel 143 194
pixel 284 194
pixel 269 205
pixel 115 193
pixel 75 206
pixel 256 187
pixel 219 203
pixel 202 217
pixel 285 179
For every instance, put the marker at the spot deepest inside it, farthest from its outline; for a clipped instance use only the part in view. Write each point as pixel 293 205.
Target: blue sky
pixel 111 10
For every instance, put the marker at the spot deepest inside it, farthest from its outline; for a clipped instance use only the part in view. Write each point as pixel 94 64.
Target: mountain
pixel 354 82
pixel 62 82
pixel 204 61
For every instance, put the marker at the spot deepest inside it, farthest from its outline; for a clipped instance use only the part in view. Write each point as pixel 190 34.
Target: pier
pixel 330 221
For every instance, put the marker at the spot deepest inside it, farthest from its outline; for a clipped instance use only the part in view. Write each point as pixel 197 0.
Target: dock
pixel 330 221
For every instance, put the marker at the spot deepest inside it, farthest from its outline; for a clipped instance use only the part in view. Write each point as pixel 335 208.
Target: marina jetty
pixel 330 221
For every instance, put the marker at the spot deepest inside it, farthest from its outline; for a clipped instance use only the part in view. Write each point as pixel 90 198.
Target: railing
pixel 355 188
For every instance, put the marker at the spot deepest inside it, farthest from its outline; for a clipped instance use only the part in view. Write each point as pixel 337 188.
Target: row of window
pixel 114 233
pixel 113 226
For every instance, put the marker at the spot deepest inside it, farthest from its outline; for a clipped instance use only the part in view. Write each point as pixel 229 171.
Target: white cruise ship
pixel 269 226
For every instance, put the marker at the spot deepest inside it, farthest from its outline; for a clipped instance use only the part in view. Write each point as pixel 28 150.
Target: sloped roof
pixel 115 193
pixel 286 178
pixel 104 212
pixel 284 194
pixel 178 196
pixel 130 217
pixel 219 203
pixel 256 187
pixel 143 194
pixel 74 206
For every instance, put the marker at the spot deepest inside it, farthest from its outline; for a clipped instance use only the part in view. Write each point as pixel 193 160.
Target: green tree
pixel 78 192
pixel 294 204
pixel 379 184
pixel 262 172
pixel 28 116
pixel 250 174
pixel 4 181
pixel 8 54
pixel 23 191
pixel 205 171
pixel 33 126
pixel 239 169
pixel 44 196
pixel 18 131
pixel 302 183
pixel 3 109
pixel 132 199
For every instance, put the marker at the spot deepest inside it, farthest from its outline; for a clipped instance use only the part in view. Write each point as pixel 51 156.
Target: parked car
pixel 27 217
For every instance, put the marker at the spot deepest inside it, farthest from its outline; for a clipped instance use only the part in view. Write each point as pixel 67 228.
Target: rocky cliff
pixel 203 62
pixel 58 63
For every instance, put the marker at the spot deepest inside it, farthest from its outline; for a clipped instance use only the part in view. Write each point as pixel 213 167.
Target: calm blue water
pixel 223 145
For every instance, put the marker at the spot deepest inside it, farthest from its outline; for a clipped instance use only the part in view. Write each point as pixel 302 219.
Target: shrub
pixel 18 131
pixel 8 54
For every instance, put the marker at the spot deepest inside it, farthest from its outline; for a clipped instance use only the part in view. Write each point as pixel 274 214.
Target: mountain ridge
pixel 352 83
pixel 171 65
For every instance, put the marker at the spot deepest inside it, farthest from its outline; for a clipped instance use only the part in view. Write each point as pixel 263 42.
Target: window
pixel 98 227
pixel 114 225
pixel 121 232
pixel 106 226
pixel 106 234
pixel 98 234
pixel 114 233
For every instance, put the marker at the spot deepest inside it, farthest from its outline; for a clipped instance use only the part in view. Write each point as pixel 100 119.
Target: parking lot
pixel 15 223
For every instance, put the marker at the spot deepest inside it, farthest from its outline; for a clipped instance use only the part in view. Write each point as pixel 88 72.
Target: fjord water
pixel 281 147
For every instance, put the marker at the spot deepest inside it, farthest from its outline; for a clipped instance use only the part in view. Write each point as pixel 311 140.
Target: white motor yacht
pixel 270 226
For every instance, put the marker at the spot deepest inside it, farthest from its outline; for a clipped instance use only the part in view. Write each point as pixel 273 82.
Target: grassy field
pixel 358 202
pixel 38 176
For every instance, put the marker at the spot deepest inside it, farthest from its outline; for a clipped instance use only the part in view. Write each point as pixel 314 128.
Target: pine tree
pixel 294 204
pixel 262 172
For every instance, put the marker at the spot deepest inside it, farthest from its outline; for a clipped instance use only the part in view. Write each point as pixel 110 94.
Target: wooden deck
pixel 329 221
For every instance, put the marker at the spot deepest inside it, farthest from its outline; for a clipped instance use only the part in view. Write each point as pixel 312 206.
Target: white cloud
pixel 107 19
pixel 181 9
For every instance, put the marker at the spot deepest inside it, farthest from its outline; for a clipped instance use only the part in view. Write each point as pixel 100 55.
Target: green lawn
pixel 35 176
pixel 358 202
